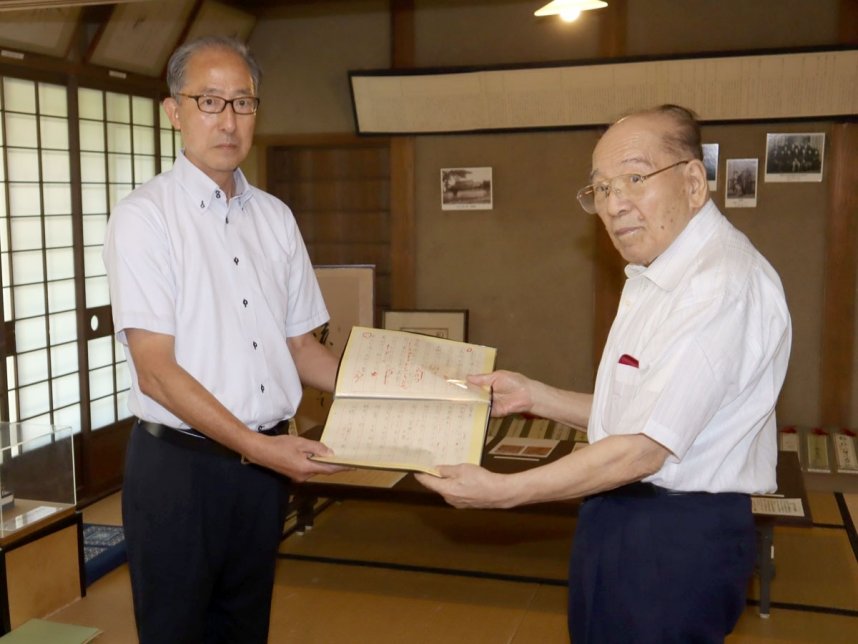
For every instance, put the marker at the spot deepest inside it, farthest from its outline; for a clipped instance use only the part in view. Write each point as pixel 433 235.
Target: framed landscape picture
pixel 466 189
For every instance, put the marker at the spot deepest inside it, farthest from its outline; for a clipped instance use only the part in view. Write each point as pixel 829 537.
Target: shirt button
pixel 235 259
pixel 255 345
pixel 217 194
pixel 262 388
pixel 244 302
pixel 259 428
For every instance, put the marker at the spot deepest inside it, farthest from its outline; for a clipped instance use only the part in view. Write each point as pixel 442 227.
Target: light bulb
pixel 569 14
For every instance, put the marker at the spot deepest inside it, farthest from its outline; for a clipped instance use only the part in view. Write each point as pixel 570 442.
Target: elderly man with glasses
pixel 215 300
pixel 681 424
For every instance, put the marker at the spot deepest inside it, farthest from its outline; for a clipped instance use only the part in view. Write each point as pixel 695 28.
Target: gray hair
pixel 684 139
pixel 178 63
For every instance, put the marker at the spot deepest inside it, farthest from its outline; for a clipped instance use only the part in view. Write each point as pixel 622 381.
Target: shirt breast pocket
pixel 623 389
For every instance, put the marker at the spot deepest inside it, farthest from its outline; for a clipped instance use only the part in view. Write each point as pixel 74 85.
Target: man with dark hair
pixel 215 300
pixel 682 421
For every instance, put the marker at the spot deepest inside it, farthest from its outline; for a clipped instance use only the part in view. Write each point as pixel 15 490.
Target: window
pixel 47 281
pixel 117 153
pixel 36 256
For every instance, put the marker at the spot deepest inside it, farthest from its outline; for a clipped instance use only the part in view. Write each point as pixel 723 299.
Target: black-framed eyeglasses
pixel 211 104
pixel 628 186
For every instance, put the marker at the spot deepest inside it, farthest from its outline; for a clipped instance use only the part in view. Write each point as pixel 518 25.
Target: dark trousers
pixel 653 568
pixel 202 533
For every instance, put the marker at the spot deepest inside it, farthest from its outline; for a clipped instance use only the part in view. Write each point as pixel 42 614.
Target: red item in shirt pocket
pixel 629 360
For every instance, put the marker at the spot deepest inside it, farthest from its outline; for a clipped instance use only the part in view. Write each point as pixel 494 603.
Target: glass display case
pixel 36 475
pixel 41 553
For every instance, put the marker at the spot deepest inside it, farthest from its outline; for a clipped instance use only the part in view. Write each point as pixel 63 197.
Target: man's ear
pixel 171 109
pixel 697 184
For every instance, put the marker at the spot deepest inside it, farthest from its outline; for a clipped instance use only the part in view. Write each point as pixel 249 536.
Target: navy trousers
pixel 202 532
pixel 649 567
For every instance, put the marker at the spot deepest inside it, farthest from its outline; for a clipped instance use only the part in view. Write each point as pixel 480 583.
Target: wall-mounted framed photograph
pixel 741 183
pixel 794 156
pixel 449 324
pixel 710 161
pixel 466 189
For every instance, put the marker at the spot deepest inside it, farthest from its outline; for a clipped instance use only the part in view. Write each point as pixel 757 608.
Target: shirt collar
pixel 669 267
pixel 203 190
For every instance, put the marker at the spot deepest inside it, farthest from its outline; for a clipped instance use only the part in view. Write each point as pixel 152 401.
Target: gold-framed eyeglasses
pixel 211 104
pixel 627 186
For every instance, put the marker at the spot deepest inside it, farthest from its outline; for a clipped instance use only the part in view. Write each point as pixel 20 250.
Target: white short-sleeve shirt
pixel 229 279
pixel 695 360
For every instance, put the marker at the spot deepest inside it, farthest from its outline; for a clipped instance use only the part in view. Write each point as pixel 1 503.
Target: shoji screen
pixel 118 134
pixel 40 332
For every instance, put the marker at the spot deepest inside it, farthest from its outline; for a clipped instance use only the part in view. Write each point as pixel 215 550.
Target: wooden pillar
pixel 402 224
pixel 608 276
pixel 841 266
pixel 836 374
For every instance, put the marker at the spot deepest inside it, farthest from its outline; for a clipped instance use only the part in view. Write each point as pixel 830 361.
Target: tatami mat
pixel 814 567
pixel 794 627
pixel 503 543
pixel 106 511
pixel 814 592
pixel 107 606
pixel 370 605
pixel 851 501
pixel 824 508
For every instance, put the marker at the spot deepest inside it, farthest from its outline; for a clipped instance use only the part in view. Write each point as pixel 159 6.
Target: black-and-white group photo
pixel 794 157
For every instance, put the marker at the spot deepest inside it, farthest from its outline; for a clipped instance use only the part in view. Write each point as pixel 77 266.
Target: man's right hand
pixel 510 391
pixel 290 456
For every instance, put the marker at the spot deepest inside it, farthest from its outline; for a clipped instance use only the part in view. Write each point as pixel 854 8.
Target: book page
pixel 396 364
pixel 405 434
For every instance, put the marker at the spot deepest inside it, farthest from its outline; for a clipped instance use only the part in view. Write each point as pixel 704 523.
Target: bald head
pixel 650 179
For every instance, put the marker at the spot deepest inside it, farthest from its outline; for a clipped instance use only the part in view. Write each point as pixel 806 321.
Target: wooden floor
pixel 383 573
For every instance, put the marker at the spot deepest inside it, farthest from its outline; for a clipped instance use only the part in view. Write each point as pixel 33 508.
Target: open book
pixel 402 402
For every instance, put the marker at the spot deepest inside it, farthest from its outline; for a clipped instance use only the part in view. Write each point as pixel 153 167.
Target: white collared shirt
pixel 695 360
pixel 229 279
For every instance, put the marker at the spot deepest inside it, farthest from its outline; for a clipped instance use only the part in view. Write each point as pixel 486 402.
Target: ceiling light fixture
pixel 20 5
pixel 569 10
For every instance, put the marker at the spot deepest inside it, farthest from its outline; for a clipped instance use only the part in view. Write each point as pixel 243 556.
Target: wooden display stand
pixel 41 567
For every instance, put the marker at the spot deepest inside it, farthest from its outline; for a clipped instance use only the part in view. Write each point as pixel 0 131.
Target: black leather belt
pixel 193 440
pixel 641 490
